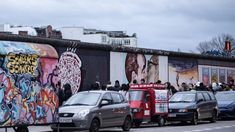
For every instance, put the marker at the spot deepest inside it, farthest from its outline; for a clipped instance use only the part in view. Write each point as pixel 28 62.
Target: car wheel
pixel 22 129
pixel 127 124
pixel 183 122
pixel 95 125
pixel 213 118
pixel 195 119
pixel 161 121
pixel 55 130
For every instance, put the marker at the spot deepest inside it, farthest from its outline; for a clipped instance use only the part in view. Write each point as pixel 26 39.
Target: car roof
pixel 233 92
pixel 193 91
pixel 99 91
pixel 186 92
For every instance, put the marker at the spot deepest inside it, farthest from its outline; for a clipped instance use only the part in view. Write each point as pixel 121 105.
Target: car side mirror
pixel 104 102
pixel 200 100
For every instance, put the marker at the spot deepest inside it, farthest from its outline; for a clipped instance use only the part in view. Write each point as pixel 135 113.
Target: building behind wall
pixel 99 36
pixel 44 31
pixel 48 32
pixel 21 30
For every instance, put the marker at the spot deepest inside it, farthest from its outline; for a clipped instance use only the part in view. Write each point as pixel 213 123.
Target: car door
pixel 106 111
pixel 202 108
pixel 209 105
pixel 147 105
pixel 119 108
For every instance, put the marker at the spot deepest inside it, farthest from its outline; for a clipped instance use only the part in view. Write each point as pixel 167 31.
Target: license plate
pixel 171 115
pixel 65 120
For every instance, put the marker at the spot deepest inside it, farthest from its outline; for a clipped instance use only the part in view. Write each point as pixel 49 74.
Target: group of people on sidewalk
pixel 65 93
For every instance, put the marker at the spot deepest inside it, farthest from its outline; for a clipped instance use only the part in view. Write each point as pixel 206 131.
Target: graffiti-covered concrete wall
pixel 27 94
pixel 31 74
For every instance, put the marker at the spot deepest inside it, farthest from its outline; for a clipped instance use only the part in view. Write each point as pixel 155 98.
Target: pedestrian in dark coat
pixel 67 91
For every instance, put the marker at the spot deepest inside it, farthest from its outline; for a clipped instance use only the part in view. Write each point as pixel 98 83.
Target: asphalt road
pixel 219 126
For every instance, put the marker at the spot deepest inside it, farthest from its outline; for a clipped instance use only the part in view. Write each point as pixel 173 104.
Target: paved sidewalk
pixel 31 129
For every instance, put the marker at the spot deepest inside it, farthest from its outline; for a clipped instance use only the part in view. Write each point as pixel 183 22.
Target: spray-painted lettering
pixel 22 63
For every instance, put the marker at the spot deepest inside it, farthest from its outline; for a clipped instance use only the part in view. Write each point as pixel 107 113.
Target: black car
pixel 193 106
pixel 226 103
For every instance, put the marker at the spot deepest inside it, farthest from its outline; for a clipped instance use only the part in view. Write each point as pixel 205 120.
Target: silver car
pixel 91 110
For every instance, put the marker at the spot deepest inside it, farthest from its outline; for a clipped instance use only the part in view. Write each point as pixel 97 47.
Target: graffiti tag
pixel 22 63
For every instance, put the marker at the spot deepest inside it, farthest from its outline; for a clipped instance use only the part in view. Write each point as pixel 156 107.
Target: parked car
pixel 91 110
pixel 193 106
pixel 226 103
pixel 149 103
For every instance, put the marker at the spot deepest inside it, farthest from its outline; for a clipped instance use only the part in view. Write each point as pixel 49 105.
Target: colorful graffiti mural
pixel 26 94
pixel 69 70
pixel 181 70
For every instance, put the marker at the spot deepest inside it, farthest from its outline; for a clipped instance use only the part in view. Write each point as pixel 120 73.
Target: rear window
pixel 207 97
pixel 212 96
pixel 200 96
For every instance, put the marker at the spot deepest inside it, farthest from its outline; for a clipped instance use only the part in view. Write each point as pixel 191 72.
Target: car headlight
pixel 82 114
pixel 183 110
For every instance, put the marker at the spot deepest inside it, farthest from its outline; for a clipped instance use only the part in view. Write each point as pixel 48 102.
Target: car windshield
pixel 222 96
pixel 83 98
pixel 135 95
pixel 183 97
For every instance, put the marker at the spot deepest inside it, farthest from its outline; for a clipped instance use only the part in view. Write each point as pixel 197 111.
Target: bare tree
pixel 216 44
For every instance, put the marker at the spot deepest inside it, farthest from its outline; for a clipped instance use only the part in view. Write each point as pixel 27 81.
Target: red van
pixel 149 103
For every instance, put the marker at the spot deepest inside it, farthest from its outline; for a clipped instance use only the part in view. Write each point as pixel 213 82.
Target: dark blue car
pixel 226 103
pixel 193 106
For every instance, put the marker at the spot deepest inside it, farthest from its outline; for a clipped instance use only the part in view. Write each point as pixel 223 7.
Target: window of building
pixel 104 39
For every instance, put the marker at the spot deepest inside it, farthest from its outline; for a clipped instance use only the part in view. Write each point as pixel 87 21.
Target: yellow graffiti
pixel 22 63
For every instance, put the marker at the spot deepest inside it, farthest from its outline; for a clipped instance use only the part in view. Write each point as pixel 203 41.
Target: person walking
pixel 67 91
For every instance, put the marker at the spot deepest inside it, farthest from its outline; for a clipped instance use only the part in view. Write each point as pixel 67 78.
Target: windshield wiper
pixel 75 104
pixel 183 101
pixel 79 104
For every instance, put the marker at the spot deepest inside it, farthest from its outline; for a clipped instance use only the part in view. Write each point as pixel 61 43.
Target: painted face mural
pixel 153 69
pixel 26 94
pixel 69 70
pixel 135 67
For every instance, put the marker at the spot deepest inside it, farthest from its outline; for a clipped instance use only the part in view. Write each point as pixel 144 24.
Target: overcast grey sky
pixel 159 24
